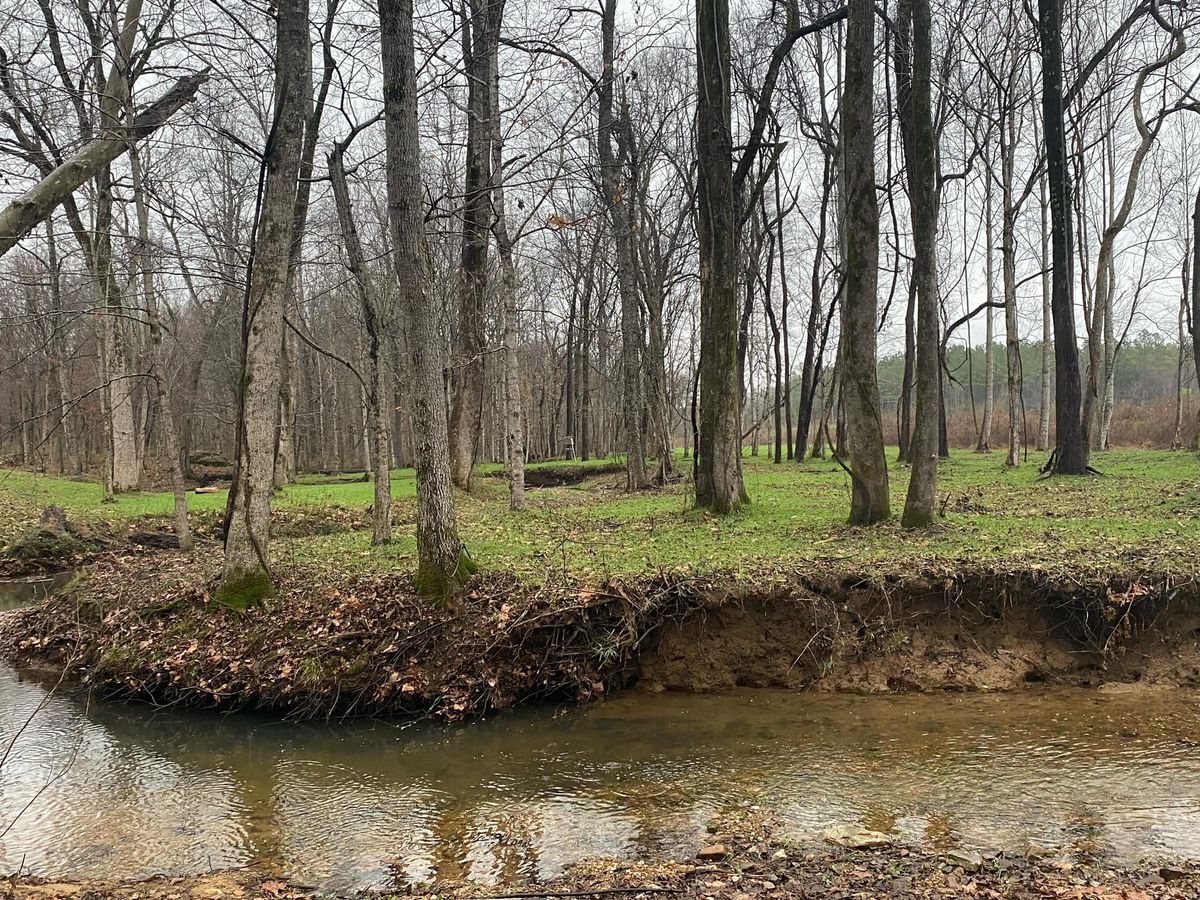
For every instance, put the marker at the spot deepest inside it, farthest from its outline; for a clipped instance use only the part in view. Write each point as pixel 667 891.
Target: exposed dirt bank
pixel 968 629
pixel 563 474
pixel 142 625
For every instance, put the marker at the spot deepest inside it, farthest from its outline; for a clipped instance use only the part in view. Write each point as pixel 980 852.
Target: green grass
pixel 1147 503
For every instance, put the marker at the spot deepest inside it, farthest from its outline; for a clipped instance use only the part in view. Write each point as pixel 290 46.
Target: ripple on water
pixel 120 791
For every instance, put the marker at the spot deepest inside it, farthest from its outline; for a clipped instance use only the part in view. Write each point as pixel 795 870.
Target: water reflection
pixel 18 592
pixel 125 791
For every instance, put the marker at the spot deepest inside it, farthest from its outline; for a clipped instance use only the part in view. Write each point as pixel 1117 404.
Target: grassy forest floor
pixel 1146 506
pixel 1088 581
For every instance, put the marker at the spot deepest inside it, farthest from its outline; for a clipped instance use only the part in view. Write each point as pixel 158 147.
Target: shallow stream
pixel 111 790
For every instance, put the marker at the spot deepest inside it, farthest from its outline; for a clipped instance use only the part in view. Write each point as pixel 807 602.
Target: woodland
pixel 427 358
pixel 312 240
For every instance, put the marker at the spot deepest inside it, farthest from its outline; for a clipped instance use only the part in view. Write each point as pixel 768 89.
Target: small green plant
pixel 311 670
pixel 607 652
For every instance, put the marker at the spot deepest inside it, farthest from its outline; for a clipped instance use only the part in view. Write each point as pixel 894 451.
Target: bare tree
pixel 914 59
pixel 621 211
pixel 1195 298
pixel 1100 359
pixel 481 36
pixel 870 499
pixel 246 578
pixel 514 425
pixel 158 353
pixel 442 562
pixel 718 455
pixel 375 382
pixel 1070 455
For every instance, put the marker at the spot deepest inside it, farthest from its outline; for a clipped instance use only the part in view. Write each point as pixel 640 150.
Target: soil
pixel 564 475
pixel 773 870
pixel 747 860
pixel 917 636
pixel 143 626
pixel 227 885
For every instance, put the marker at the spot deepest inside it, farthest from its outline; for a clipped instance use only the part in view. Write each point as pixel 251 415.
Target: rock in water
pixel 856 838
pixel 713 852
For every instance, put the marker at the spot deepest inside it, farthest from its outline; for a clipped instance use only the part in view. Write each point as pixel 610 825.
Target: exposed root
pixel 146 627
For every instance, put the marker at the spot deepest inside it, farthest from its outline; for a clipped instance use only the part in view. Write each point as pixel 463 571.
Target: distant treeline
pixel 1147 372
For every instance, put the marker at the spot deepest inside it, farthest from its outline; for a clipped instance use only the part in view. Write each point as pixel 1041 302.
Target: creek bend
pixel 110 790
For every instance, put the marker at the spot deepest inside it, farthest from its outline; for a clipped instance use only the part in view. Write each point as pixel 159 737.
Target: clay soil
pixel 142 625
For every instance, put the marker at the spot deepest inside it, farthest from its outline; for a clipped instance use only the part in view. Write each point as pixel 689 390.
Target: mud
pixel 234 885
pixel 749 860
pixel 915 636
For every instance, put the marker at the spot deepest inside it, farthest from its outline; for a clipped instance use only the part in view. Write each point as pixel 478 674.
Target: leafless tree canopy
pixel 300 237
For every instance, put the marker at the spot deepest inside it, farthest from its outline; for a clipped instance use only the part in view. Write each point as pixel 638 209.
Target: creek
pixel 108 790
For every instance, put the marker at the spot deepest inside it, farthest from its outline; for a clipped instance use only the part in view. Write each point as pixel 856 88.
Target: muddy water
pixel 18 592
pixel 121 791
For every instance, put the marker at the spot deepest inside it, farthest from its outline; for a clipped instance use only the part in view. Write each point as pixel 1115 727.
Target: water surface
pixel 109 790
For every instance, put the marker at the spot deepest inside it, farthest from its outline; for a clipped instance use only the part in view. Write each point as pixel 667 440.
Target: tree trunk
pixel 810 368
pixel 443 563
pixel 514 426
pixel 1181 373
pixel 126 461
pixel 246 579
pixel 583 365
pixel 375 382
pixel 656 385
pixel 73 463
pixel 514 440
pixel 105 414
pixel 913 77
pixel 776 341
pixel 285 455
pixel 1047 371
pixel 905 411
pixel 1195 298
pixel 1071 452
pixel 870 500
pixel 783 316
pixel 619 203
pixel 285 443
pixel 480 35
pixel 1008 254
pixel 719 453
pixel 984 444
